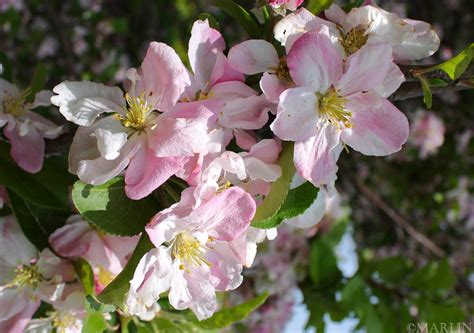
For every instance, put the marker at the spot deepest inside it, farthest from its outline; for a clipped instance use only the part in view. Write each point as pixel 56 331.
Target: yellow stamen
pixel 138 109
pixel 224 187
pixel 282 70
pixel 17 106
pixel 332 107
pixel 189 251
pixel 354 39
pixel 25 276
pixel 105 277
pixel 63 322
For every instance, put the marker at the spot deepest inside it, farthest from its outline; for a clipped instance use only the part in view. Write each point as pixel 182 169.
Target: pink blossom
pixel 427 133
pixel 336 103
pixel 138 131
pixel 285 4
pixel 26 277
pixel 410 39
pixel 107 254
pixel 193 258
pixel 25 129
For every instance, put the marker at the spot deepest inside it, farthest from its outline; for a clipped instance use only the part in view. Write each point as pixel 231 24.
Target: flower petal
pixel 378 127
pixel 253 56
pixel 272 86
pixel 366 69
pixel 82 102
pixel 27 149
pixel 297 116
pixel 245 113
pixel 315 158
pixel 314 62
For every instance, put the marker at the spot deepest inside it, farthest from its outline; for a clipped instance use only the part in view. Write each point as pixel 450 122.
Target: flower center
pixel 189 251
pixel 332 107
pixel 64 322
pixel 201 95
pixel 25 276
pixel 17 106
pixel 282 70
pixel 138 109
pixel 354 39
pixel 104 276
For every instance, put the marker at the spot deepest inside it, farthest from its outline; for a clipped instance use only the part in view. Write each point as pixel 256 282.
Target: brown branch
pixel 375 200
pixel 412 87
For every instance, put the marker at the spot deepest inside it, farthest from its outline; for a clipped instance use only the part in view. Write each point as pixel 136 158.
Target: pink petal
pixel 378 127
pixel 15 247
pixel 26 150
pixel 16 322
pixel 314 62
pixel 272 86
pixel 226 215
pixel 204 45
pixel 181 136
pixel 224 72
pixel 245 113
pixel 72 240
pixel 231 90
pixel 266 150
pixel 253 56
pixel 315 158
pixel 297 115
pixel 392 82
pixel 244 139
pixel 164 75
pixel 421 42
pixel 147 172
pixel 366 69
pixel 335 14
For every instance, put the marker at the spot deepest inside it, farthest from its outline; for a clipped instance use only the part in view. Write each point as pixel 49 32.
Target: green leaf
pixel 323 268
pixel 85 274
pixel 297 201
pixel 317 6
pixel 7 67
pixel 238 13
pixel 213 23
pixel 436 277
pixel 226 317
pixel 354 291
pixel 94 322
pixel 94 305
pixel 457 65
pixel 116 292
pixel 439 313
pixel 280 188
pixel 107 207
pixel 352 4
pixel 427 95
pixel 38 81
pixel 48 188
pixel 392 270
pixel 36 223
pixel 437 83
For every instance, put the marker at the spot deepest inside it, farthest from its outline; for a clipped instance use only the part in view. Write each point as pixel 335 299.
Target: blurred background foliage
pixel 397 247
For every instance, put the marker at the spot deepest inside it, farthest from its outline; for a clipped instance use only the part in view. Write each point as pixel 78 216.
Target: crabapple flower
pixel 193 258
pixel 335 103
pixel 137 130
pixel 410 39
pixel 427 133
pixel 285 4
pixel 26 277
pixel 107 254
pixel 259 56
pixel 218 86
pixel 24 129
pixel 68 314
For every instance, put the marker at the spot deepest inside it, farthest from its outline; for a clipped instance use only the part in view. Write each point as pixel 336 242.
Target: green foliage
pixel 435 277
pixel 116 292
pixel 317 6
pixel 247 20
pixel 107 207
pixel 36 222
pixel 323 264
pixel 352 4
pixel 85 274
pixel 280 188
pixel 48 188
pixel 94 305
pixel 427 94
pixel 94 322
pixel 38 81
pixel 456 66
pixel 226 317
pixel 213 23
pixel 297 201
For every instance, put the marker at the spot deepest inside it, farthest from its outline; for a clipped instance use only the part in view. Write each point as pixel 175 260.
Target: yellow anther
pixel 25 276
pixel 353 40
pixel 282 70
pixel 137 111
pixel 16 105
pixel 332 107
pixel 189 251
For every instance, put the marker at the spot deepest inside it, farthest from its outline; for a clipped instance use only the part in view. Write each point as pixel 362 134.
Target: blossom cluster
pixel 325 89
